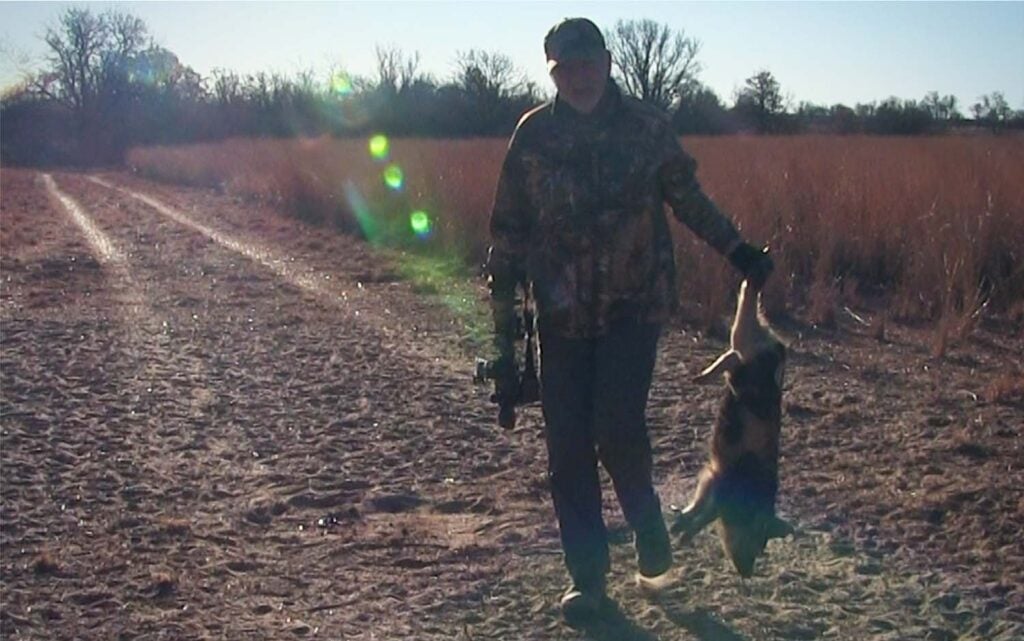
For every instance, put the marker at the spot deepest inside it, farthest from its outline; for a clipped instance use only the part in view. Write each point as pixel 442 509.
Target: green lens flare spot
pixel 379 147
pixel 393 177
pixel 420 222
pixel 341 85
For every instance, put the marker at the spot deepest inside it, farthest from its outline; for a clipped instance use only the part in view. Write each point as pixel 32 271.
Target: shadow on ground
pixel 702 624
pixel 616 626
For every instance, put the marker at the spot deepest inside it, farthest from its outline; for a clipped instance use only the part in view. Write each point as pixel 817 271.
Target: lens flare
pixel 379 147
pixel 341 85
pixel 393 177
pixel 362 212
pixel 420 222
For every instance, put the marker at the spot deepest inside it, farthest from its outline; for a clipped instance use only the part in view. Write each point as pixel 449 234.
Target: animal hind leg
pixel 701 511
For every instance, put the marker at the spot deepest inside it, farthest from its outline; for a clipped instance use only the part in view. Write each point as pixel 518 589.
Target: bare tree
pixel 992 109
pixel 490 90
pixel 764 91
pixel 762 98
pixel 394 70
pixel 227 87
pixel 493 74
pixel 652 62
pixel 128 34
pixel 76 45
pixel 122 60
pixel 1000 109
pixel 940 108
pixel 91 55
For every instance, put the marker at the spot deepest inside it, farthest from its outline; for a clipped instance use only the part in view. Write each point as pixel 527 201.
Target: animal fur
pixel 739 485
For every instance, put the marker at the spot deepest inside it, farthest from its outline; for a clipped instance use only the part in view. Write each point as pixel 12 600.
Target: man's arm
pixel 692 207
pixel 506 260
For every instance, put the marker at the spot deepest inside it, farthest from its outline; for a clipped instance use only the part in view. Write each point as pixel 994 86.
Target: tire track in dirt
pixel 141 323
pixel 77 456
pixel 358 306
pixel 136 319
pixel 165 399
pixel 163 458
pixel 97 239
pixel 107 254
pixel 380 463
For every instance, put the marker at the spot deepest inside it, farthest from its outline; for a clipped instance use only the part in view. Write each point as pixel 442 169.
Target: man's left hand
pixel 754 264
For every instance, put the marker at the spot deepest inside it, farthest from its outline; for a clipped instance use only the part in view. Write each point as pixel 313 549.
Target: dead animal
pixel 739 485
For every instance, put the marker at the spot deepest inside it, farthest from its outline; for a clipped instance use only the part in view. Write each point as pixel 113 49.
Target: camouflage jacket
pixel 579 216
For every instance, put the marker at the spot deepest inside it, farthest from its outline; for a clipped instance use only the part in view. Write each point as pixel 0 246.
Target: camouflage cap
pixel 573 39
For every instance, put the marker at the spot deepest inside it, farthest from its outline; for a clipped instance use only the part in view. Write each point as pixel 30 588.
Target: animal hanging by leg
pixel 738 487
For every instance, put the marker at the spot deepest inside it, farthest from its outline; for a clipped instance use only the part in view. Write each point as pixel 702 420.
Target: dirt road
pixel 218 423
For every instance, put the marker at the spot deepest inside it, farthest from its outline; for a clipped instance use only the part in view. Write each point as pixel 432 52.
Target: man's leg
pixel 624 366
pixel 567 381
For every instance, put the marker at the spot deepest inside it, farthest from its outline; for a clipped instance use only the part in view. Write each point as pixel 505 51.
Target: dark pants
pixel 595 399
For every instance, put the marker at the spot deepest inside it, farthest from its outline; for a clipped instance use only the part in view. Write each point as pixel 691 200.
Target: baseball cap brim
pixel 580 53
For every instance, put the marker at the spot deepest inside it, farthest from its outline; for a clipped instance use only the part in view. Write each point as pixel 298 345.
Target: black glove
pixel 506 389
pixel 754 264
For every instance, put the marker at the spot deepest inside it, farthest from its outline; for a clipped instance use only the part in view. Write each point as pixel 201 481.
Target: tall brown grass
pixel 924 228
pixel 330 181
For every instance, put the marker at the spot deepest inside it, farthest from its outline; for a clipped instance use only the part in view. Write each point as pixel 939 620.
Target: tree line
pixel 109 86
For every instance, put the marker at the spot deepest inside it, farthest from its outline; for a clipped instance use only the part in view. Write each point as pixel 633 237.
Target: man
pixel 578 219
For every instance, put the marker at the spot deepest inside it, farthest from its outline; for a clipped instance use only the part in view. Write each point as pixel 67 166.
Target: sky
pixel 820 52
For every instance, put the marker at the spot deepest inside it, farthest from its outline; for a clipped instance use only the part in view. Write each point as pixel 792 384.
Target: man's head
pixel 578 61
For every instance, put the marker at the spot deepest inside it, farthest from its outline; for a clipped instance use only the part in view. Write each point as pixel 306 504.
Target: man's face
pixel 582 82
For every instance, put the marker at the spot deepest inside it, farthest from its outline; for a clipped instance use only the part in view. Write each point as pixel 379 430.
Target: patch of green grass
pixel 448 280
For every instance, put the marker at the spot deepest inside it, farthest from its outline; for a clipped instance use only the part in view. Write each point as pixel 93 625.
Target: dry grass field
pixel 925 229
